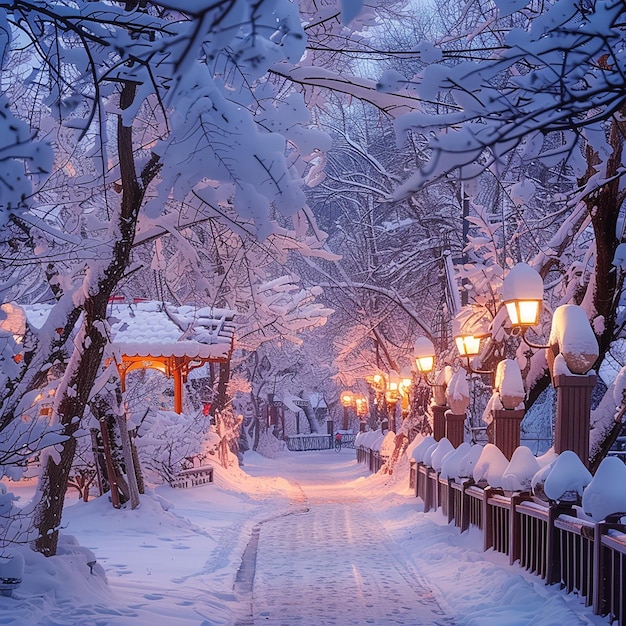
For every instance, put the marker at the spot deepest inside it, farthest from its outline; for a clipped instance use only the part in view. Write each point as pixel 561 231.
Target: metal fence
pixel 303 443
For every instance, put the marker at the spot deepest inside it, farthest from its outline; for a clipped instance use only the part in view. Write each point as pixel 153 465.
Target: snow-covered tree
pixel 146 105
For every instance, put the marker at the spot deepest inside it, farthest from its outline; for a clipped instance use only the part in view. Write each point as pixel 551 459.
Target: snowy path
pixel 332 562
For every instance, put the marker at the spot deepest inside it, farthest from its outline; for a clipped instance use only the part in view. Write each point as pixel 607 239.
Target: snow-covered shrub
pixel 420 450
pixel 468 461
pixel 386 444
pixel 167 441
pixel 452 462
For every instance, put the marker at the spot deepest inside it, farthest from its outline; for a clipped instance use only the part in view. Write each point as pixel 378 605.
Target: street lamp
pixel 392 395
pixel 406 381
pixel 522 293
pixel 467 345
pixel 424 354
pixel 378 384
pixel 360 403
pixel 346 399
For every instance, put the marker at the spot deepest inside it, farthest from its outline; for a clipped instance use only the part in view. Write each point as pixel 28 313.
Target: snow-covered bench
pixel 194 476
pixel 11 572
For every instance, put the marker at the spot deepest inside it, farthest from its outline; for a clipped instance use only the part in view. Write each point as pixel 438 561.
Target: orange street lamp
pixel 467 345
pixel 392 395
pixel 346 399
pixel 424 354
pixel 522 292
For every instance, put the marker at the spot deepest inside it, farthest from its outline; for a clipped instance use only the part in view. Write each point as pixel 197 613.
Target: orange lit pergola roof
pixel 155 335
pixel 172 339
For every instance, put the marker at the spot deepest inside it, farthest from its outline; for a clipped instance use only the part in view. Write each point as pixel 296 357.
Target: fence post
pixel 604 576
pixel 455 428
pixel 505 430
pixel 465 506
pixel 573 410
pixel 553 548
pixel 427 491
pixel 515 528
pixel 449 497
pixel 439 421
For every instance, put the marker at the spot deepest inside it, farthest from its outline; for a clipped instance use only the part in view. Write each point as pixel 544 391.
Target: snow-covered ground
pixel 177 559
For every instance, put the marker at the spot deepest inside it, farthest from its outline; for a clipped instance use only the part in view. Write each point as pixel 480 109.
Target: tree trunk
pixel 80 376
pixel 312 418
pixel 85 362
pixel 131 476
pixel 51 491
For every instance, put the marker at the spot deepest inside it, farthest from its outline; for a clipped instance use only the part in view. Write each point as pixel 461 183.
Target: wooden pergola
pixel 172 340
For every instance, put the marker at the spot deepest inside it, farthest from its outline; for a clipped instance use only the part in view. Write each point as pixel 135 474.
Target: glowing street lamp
pixel 360 404
pixel 424 354
pixel 468 329
pixel 393 389
pixel 346 399
pixel 392 395
pixel 522 292
pixel 467 345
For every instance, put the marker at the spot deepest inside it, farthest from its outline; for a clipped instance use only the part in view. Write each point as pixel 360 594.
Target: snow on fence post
pixel 458 400
pixel 573 351
pixel 507 410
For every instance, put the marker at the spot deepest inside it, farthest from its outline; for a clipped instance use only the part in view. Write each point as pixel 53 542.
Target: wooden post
pixel 553 547
pixel 515 528
pixel 573 410
pixel 505 430
pixel 177 375
pixel 439 421
pixel 428 492
pixel 455 428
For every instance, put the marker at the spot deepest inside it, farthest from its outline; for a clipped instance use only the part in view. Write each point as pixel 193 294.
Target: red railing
pixel 548 540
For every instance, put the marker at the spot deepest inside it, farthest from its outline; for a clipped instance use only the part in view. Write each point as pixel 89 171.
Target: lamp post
pixel 392 395
pixel 346 400
pixel 360 403
pixel 379 386
pixel 572 344
pixel 406 382
pixel 424 354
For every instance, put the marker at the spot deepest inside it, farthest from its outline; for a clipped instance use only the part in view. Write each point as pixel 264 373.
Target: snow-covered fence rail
pixel 372 448
pixel 546 538
pixel 303 443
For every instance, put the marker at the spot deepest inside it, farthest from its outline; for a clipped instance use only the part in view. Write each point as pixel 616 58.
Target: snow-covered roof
pixel 151 328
